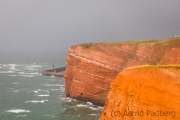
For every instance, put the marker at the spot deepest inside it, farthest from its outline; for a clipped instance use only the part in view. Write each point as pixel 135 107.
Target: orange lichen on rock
pixel 144 93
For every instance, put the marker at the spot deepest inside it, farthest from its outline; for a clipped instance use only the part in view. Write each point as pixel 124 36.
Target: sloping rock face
pixel 90 68
pixel 144 93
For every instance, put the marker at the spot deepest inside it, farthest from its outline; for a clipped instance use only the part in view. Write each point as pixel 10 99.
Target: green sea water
pixel 25 94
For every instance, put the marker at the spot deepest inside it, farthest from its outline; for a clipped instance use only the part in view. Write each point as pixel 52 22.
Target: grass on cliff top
pixel 156 66
pixel 141 41
pixel 165 41
pixel 87 45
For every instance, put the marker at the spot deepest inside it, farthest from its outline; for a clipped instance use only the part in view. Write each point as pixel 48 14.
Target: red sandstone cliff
pixel 90 68
pixel 144 93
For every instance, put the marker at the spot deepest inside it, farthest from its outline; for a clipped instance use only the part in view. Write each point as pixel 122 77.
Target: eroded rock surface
pixel 144 93
pixel 90 68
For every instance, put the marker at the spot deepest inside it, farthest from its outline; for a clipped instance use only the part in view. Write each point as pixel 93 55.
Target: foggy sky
pixel 44 29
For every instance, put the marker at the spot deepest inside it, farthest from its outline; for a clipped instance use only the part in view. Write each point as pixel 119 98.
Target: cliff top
pixel 155 66
pixel 152 42
pixel 144 41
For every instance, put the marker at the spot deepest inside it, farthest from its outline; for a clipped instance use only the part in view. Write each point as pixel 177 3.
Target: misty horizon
pixel 43 30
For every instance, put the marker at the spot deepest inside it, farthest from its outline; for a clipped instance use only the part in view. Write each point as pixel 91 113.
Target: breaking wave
pixel 18 111
pixel 39 90
pixel 27 75
pixel 90 106
pixel 36 101
pixel 43 95
pixel 53 85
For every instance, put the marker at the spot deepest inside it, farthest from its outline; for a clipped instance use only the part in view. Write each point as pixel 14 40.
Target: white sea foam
pixel 12 75
pixel 15 91
pixel 23 73
pixel 43 95
pixel 62 89
pixel 11 64
pixel 100 108
pixel 93 114
pixel 6 71
pixel 90 106
pixel 45 91
pixel 39 90
pixel 27 75
pixel 81 105
pixel 50 79
pixel 36 101
pixel 21 115
pixel 54 89
pixel 53 85
pixel 36 73
pixel 13 67
pixel 35 91
pixel 93 108
pixel 49 115
pixel 15 83
pixel 31 69
pixel 66 99
pixel 18 111
pixel 32 66
pixel 89 103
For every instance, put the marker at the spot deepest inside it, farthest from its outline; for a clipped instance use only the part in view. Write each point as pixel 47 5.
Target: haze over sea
pixel 25 94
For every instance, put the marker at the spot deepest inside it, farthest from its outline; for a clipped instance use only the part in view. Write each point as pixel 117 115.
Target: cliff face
pixel 144 93
pixel 88 74
pixel 90 68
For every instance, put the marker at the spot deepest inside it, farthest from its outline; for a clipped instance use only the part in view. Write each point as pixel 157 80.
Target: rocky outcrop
pixel 144 93
pixel 58 72
pixel 90 68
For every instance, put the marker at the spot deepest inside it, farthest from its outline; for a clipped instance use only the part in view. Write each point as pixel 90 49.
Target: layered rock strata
pixel 90 68
pixel 144 93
